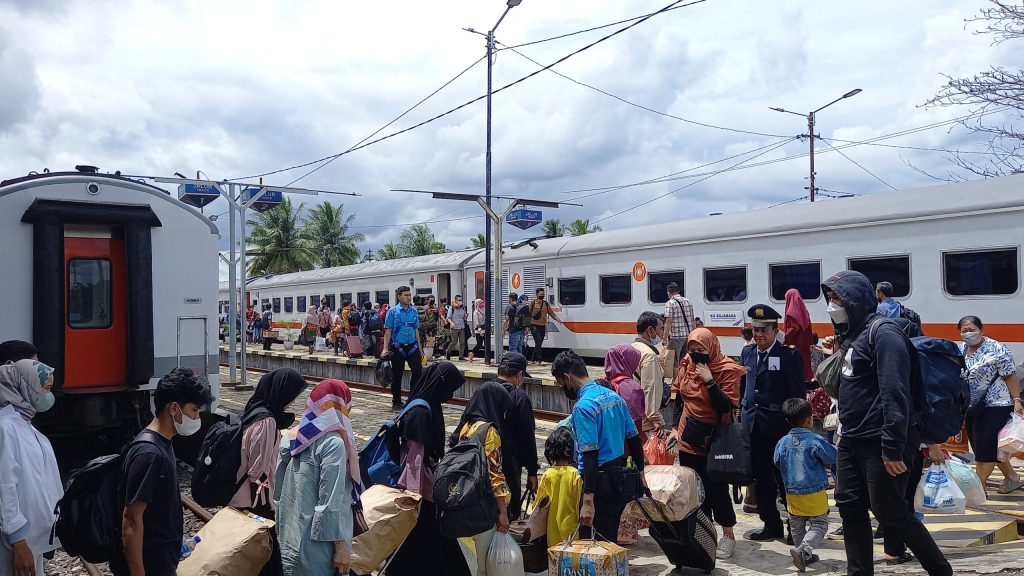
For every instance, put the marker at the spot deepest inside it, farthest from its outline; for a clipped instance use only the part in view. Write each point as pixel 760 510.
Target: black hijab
pixel 275 391
pixel 489 403
pixel 437 385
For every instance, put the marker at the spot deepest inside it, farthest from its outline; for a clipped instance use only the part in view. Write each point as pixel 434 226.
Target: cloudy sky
pixel 242 88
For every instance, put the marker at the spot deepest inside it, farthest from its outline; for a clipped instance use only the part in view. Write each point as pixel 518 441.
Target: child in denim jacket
pixel 803 458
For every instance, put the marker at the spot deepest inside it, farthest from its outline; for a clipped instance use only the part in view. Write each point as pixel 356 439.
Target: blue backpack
pixel 941 393
pixel 379 459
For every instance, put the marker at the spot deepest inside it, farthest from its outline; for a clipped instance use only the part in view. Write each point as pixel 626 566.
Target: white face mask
pixel 972 338
pixel 187 426
pixel 44 402
pixel 837 313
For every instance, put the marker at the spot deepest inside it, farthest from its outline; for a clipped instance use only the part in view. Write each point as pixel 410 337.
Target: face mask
pixel 656 341
pixel 972 338
pixel 44 402
pixel 570 393
pixel 838 313
pixel 285 421
pixel 700 357
pixel 188 426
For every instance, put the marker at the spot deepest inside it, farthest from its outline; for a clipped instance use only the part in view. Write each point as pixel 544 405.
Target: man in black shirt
pixel 152 523
pixel 519 449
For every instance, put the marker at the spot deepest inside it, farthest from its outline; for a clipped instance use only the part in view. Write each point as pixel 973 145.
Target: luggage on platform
pixel 391 515
pixel 677 489
pixel 691 542
pixel 355 346
pixel 530 531
pixel 587 558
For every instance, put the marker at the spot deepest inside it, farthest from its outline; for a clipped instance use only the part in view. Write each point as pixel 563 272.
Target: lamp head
pixel 513 3
pixel 853 92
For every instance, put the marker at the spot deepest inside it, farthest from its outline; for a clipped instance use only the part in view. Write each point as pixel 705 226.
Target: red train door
pixel 96 315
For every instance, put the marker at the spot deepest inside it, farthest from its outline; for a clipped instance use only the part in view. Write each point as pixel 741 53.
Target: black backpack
pixel 215 477
pixel 354 317
pixel 373 322
pixel 910 315
pixel 465 501
pixel 522 317
pixel 89 514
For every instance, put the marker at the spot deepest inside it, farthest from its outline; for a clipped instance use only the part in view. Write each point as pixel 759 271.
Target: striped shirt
pixel 679 314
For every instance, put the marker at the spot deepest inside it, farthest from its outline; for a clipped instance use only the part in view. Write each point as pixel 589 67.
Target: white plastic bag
pixel 320 345
pixel 504 558
pixel 1011 437
pixel 968 482
pixel 938 493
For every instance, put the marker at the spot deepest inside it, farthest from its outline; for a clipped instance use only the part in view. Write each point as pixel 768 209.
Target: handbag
pixel 830 371
pixel 359 525
pixel 831 423
pixel 820 403
pixel 729 457
pixel 530 532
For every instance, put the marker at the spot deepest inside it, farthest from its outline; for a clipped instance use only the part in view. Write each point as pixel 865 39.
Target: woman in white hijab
pixel 30 484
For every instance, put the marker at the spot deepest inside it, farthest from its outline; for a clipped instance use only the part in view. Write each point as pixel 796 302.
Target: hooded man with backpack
pixel 880 431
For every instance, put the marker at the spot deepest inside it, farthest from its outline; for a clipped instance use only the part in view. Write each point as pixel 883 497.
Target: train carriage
pixel 115 282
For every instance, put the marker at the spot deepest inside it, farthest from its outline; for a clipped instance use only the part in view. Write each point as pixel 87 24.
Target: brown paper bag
pixel 678 488
pixel 233 543
pixel 391 514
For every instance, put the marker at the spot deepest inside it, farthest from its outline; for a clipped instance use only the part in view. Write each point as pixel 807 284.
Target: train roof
pixel 376 268
pixel 1006 192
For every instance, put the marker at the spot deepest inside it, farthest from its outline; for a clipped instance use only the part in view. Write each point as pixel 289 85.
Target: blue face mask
pixel 656 341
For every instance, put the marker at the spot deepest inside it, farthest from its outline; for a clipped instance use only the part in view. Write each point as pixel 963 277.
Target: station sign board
pixel 267 201
pixel 197 195
pixel 524 218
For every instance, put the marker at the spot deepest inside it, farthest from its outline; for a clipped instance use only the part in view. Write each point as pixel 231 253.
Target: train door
pixel 444 286
pixel 95 296
pixel 192 334
pixel 479 287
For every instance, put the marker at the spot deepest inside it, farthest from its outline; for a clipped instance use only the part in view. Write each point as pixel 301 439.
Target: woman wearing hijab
pixel 620 364
pixel 799 332
pixel 709 384
pixel 311 327
pixel 479 330
pixel 30 484
pixel 263 417
pixel 426 551
pixel 314 482
pixel 488 405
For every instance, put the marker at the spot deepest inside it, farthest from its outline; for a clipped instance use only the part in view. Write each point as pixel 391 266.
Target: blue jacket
pixel 802 457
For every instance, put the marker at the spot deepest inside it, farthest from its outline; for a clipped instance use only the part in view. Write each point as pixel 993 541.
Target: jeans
pixel 808 531
pixel 538 333
pixel 515 340
pixel 398 362
pixel 769 484
pixel 864 484
pixel 257 334
pixel 340 344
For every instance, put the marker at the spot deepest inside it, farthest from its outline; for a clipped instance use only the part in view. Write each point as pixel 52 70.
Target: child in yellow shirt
pixel 562 484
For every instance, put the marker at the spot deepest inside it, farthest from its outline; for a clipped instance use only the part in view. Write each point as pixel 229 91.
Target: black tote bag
pixel 729 455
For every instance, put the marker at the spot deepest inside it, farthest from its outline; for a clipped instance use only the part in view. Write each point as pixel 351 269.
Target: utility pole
pixel 810 132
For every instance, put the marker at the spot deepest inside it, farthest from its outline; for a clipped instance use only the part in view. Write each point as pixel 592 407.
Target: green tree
pixel 418 240
pixel 280 243
pixel 479 241
pixel 553 228
pixel 582 226
pixel 389 251
pixel 328 228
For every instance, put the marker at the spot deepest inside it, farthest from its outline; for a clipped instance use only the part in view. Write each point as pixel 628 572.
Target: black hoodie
pixel 874 393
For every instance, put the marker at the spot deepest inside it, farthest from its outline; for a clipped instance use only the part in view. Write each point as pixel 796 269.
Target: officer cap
pixel 763 315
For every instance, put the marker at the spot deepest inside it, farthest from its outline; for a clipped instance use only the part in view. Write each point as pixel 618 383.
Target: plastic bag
pixel 937 493
pixel 969 483
pixel 656 450
pixel 504 558
pixel 320 344
pixel 1011 437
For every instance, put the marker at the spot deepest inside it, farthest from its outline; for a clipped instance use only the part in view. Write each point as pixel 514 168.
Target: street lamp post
pixel 810 130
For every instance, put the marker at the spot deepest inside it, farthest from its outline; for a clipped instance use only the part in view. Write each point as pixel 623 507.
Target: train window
pixel 617 289
pixel 892 269
pixel 331 301
pixel 362 297
pixel 572 291
pixel 300 303
pixel 344 297
pixel 276 305
pixel 725 284
pixel 314 300
pixel 381 297
pixel 804 276
pixel 288 301
pixel 657 282
pixel 89 293
pixel 992 272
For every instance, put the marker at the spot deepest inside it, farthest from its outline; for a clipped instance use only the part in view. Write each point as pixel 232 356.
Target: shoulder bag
pixel 729 456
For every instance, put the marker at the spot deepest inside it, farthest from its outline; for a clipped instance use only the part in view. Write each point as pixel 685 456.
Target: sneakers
pixel 802 557
pixel 836 534
pixel 1010 485
pixel 726 546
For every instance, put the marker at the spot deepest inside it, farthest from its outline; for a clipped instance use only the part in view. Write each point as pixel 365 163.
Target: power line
pixel 789 201
pixel 857 164
pixel 694 183
pixel 648 109
pixel 365 144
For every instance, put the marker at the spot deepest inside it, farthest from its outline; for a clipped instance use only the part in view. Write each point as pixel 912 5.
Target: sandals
pixel 1010 485
pixel 901 559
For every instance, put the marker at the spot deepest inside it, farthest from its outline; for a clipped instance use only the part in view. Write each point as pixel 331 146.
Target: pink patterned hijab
pixel 327 410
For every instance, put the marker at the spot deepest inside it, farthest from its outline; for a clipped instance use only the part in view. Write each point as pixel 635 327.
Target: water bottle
pixel 189 544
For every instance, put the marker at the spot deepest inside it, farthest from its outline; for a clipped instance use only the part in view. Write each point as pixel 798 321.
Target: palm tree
pixel 418 240
pixel 389 251
pixel 280 242
pixel 327 226
pixel 582 226
pixel 479 241
pixel 553 228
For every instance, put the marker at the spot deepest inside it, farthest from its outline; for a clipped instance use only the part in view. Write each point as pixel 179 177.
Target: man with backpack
pixel 880 432
pixel 540 310
pixel 268 320
pixel 152 518
pixel 892 308
pixel 679 321
pixel 516 328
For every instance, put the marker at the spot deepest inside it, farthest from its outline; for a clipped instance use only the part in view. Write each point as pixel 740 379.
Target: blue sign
pixel 197 195
pixel 267 201
pixel 523 218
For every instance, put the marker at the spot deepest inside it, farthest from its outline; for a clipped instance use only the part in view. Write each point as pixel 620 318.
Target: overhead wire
pixel 365 144
pixel 855 163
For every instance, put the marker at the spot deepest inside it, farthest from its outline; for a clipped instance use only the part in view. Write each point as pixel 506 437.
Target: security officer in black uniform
pixel 775 373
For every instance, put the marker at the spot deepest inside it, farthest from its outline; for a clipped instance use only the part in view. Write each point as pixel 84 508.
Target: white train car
pixel 115 282
pixel 949 250
pixel 289 295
